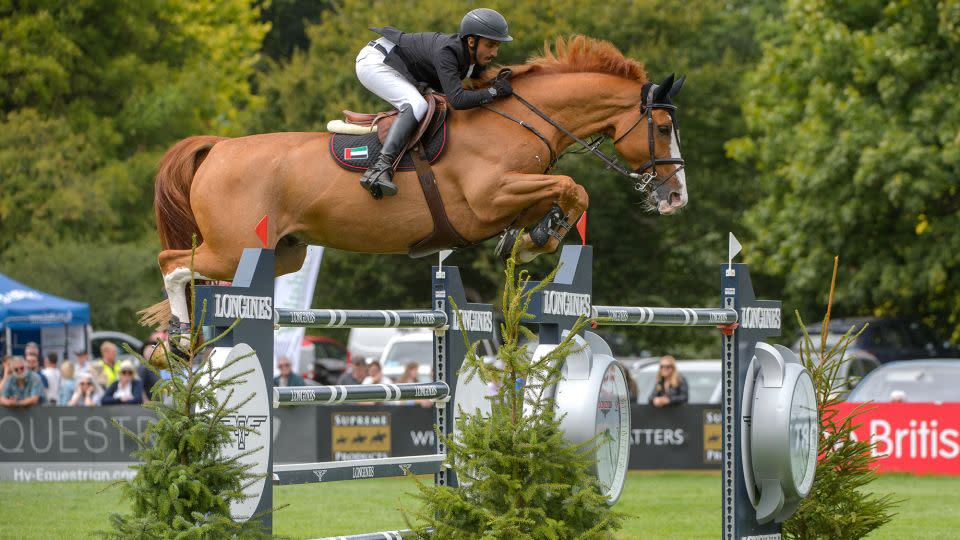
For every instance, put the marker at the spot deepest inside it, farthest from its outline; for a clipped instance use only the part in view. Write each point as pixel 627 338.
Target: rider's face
pixel 487 50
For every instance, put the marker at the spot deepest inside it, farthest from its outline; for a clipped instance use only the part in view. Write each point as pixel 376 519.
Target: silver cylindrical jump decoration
pixel 291 396
pixel 360 318
pixel 662 316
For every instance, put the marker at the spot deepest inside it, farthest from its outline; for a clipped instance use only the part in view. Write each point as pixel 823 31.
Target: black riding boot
pixel 378 179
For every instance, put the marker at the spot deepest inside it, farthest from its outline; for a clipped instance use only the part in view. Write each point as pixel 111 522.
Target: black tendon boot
pixel 378 179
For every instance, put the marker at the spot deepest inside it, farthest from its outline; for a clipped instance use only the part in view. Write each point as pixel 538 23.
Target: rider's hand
pixel 503 88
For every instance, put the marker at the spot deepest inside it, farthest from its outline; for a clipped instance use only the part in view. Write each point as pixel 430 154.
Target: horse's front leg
pixel 546 205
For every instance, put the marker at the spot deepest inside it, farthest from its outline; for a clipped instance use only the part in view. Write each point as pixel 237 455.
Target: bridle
pixel 641 178
pixel 647 106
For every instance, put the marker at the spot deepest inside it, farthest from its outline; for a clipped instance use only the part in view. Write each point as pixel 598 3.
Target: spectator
pixel 411 374
pixel 671 387
pixel 898 396
pixel 96 371
pixel 83 362
pixel 23 388
pixel 287 377
pixel 67 383
pixel 127 389
pixel 375 374
pixel 358 371
pixel 31 348
pixel 52 373
pixel 33 364
pixel 108 359
pixel 5 371
pixel 88 392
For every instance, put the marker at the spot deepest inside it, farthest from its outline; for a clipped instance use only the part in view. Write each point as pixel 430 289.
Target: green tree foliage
pixel 184 485
pixel 647 259
pixel 91 94
pixel 522 479
pixel 838 506
pixel 854 116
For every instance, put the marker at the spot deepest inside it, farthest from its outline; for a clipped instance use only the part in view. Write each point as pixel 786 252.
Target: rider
pixel 391 67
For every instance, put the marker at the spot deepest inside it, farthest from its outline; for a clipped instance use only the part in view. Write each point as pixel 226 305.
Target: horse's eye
pixel 664 129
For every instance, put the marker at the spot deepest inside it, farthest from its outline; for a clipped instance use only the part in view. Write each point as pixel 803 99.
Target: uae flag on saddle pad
pixel 358 152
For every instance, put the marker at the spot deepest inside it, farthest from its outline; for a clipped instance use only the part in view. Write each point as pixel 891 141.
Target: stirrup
pixel 377 185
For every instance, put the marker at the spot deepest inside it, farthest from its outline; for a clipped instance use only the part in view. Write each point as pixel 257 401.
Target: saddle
pixel 353 146
pixel 355 123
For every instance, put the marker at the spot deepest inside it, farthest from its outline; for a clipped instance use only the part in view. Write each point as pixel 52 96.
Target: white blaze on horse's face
pixel 675 199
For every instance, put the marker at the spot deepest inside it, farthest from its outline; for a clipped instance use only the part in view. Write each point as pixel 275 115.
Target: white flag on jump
pixel 295 291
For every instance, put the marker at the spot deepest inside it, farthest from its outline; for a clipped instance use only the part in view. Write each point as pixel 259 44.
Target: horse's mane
pixel 578 54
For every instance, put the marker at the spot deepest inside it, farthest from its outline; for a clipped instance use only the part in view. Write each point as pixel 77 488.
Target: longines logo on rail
pixel 751 317
pixel 566 303
pixel 474 321
pixel 238 306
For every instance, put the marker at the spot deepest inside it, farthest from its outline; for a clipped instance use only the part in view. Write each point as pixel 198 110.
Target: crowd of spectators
pixel 79 382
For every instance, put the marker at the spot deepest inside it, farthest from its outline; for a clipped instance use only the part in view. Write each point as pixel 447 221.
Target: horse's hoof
pixel 505 246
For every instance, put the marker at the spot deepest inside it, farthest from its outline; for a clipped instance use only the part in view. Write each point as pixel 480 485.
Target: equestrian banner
pixel 295 291
pixel 919 438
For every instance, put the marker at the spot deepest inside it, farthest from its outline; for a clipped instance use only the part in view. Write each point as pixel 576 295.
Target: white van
pixel 405 348
pixel 417 346
pixel 369 343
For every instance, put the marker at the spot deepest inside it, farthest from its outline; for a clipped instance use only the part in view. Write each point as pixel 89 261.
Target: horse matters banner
pixel 919 438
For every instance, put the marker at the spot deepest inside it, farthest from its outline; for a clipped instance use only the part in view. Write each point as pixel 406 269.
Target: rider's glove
pixel 502 88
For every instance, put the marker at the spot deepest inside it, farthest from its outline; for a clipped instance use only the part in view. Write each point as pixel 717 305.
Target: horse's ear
pixel 677 86
pixel 663 89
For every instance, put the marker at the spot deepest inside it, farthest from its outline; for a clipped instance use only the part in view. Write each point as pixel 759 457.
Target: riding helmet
pixel 486 23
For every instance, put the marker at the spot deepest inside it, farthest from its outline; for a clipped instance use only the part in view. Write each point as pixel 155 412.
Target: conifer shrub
pixel 519 478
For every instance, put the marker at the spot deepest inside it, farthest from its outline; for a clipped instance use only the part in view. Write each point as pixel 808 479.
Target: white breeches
pixel 387 82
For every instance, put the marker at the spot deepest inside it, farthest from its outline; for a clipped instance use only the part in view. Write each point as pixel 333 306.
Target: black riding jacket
pixel 439 60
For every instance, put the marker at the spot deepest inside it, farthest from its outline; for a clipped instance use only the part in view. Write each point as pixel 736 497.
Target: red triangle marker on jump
pixel 582 228
pixel 262 230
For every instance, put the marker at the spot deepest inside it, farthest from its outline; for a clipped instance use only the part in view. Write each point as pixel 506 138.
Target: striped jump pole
pixel 360 318
pixel 292 396
pixel 662 316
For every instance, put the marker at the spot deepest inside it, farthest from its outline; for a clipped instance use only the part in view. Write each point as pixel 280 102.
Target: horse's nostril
pixel 675 198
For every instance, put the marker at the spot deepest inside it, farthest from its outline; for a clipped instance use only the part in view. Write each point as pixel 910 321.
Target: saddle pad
pixel 357 152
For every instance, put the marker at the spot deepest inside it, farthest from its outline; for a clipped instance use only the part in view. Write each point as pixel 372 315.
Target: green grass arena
pixel 661 505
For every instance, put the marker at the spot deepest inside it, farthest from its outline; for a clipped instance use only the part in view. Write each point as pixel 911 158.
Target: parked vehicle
pixel 704 381
pixel 323 359
pixel 885 339
pixel 369 343
pixel 911 381
pixel 417 346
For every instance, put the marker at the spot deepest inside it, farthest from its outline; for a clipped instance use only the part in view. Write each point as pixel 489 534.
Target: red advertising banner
pixel 920 438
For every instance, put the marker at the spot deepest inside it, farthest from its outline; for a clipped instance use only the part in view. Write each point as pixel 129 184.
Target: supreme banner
pixel 919 438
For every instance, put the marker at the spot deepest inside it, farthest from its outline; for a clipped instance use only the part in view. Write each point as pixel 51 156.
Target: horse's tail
pixel 175 221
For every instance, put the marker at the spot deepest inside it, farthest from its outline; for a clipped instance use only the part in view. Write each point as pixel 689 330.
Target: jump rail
pixel 662 316
pixel 360 318
pixel 292 396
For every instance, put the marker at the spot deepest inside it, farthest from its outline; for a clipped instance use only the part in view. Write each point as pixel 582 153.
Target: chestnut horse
pixel 492 176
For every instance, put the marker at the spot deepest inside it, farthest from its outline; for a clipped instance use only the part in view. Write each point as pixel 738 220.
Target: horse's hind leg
pixel 558 199
pixel 175 265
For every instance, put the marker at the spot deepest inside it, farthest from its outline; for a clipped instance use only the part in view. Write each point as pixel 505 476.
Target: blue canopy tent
pixel 26 315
